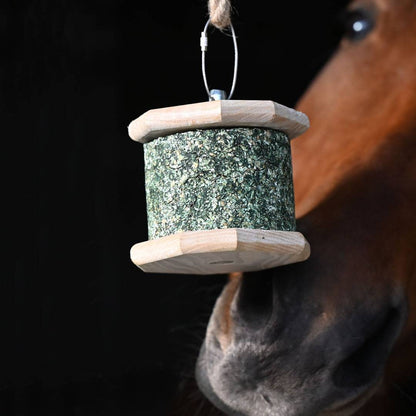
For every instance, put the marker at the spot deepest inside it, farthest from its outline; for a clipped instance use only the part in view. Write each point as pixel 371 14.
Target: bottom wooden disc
pixel 220 251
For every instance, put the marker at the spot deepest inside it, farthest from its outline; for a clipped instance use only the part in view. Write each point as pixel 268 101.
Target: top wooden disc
pixel 221 113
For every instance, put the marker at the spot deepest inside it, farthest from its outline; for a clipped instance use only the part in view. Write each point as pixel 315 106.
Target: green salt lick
pixel 219 178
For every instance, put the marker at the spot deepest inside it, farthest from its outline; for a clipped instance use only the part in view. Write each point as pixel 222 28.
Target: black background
pixel 91 334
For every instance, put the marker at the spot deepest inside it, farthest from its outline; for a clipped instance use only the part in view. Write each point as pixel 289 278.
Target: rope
pixel 219 13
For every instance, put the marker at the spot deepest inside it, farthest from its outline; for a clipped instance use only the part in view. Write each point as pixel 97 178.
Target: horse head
pixel 314 337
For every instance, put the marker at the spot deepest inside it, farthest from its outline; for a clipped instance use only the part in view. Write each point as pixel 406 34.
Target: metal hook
pixel 204 48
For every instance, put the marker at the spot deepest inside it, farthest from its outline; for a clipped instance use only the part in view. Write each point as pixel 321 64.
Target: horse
pixel 336 334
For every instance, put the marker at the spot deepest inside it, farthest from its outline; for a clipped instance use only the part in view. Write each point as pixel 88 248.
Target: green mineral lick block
pixel 219 187
pixel 219 178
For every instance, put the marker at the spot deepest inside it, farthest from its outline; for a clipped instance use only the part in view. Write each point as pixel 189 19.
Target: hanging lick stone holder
pixel 219 186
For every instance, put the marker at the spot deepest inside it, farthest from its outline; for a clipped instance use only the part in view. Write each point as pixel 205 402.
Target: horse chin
pixel 350 406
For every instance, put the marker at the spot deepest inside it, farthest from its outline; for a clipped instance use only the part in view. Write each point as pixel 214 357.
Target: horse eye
pixel 357 24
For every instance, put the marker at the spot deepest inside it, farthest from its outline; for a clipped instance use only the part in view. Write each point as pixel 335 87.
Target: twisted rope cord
pixel 220 13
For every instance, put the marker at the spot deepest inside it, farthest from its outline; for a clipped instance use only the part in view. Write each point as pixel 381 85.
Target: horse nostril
pixel 366 362
pixel 255 299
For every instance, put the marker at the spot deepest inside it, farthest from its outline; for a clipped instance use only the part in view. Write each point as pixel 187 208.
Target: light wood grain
pixel 220 251
pixel 212 114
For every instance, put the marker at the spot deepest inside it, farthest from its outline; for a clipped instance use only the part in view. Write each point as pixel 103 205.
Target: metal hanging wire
pixel 204 48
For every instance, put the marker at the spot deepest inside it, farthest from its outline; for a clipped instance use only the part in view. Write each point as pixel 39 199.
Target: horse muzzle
pixel 282 355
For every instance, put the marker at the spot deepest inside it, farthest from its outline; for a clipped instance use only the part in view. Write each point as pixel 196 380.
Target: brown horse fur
pixel 328 335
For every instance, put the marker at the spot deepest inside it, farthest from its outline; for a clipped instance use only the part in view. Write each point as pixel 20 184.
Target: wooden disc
pixel 220 251
pixel 222 113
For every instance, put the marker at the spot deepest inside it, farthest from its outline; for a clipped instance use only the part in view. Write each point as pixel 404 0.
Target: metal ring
pixel 204 47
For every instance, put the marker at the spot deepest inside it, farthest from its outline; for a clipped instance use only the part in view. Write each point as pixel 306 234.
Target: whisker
pixel 404 393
